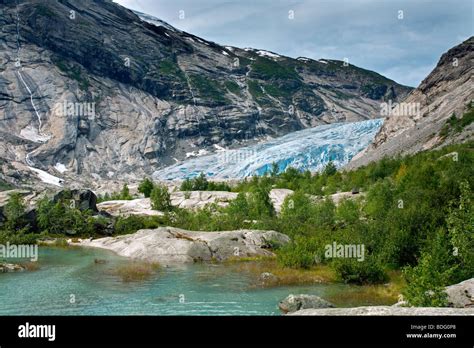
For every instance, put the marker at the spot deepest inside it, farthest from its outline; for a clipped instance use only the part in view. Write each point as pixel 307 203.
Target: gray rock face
pixel 81 199
pixel 295 303
pixel 140 206
pixel 461 295
pixel 126 97
pixel 447 90
pixel 168 245
pixel 199 199
pixel 386 311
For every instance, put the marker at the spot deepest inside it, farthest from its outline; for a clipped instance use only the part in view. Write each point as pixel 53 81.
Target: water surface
pixel 70 282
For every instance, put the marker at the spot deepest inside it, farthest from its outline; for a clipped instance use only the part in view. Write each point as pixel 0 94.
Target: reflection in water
pixel 200 289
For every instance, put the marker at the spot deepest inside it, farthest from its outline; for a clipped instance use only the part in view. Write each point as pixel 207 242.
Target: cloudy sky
pixel 373 34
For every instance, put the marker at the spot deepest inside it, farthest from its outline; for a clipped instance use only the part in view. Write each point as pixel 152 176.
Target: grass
pixel 254 267
pixel 373 295
pixel 4 186
pixel 31 266
pixel 232 87
pixel 208 89
pixel 268 69
pixel 137 271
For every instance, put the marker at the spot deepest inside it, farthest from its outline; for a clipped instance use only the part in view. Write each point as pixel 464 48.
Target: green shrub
pixel 330 169
pixel 133 223
pixel 300 253
pixel 145 187
pixel 200 183
pixel 14 212
pixel 160 198
pixel 369 271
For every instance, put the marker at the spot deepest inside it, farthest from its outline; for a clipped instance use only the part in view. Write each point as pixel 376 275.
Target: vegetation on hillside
pixel 415 214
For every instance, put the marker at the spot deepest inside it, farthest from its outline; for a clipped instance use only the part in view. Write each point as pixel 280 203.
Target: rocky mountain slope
pixel 423 121
pixel 90 90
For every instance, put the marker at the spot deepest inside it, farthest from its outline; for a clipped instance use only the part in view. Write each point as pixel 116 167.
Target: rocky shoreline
pixel 169 245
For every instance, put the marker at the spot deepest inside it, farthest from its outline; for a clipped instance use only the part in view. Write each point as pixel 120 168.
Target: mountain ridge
pixel 158 93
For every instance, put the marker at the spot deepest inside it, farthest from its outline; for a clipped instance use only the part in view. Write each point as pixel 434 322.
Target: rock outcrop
pixel 295 303
pixel 199 199
pixel 10 267
pixel 416 124
pixel 168 245
pixel 461 295
pixel 139 206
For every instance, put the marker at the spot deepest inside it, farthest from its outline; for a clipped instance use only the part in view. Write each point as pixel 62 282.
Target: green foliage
pixel 200 183
pixel 210 90
pixel 125 193
pixel 14 212
pixel 4 186
pixel 435 270
pixel 269 69
pixel 330 169
pixel 145 187
pixel 232 87
pixel 368 271
pixel 460 223
pixel 133 223
pixel 300 253
pixel 60 217
pixel 260 205
pixel 160 198
pixel 455 125
pixel 16 229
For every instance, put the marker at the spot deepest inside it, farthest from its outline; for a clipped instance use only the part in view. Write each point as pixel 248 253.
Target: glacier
pixel 309 149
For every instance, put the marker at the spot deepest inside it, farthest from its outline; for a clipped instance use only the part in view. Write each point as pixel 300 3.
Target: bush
pixel 369 271
pixel 133 223
pixel 125 193
pixel 460 223
pixel 145 187
pixel 60 218
pixel 300 253
pixel 330 169
pixel 14 212
pixel 260 205
pixel 160 198
pixel 200 183
pixel 437 267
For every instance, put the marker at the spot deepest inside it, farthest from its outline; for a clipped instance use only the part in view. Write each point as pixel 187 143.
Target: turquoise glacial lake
pixel 70 282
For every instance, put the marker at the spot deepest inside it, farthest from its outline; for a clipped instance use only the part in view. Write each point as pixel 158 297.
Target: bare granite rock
pixel 167 245
pixel 295 303
pixel 461 295
pixel 446 90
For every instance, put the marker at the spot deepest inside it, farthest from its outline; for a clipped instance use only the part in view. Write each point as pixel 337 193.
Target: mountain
pixel 441 101
pixel 90 90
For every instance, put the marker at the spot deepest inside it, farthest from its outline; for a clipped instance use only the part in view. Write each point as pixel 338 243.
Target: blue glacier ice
pixel 309 149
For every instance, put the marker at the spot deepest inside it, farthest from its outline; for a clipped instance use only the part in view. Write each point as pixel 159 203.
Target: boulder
pixel 10 267
pixel 83 199
pixel 268 277
pixel 199 199
pixel 295 303
pixel 278 196
pixel 168 245
pixel 141 206
pixel 461 295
